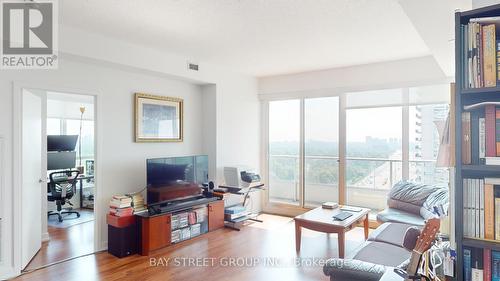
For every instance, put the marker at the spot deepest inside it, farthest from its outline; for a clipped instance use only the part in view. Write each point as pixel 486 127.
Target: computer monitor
pixel 61 142
pixel 61 160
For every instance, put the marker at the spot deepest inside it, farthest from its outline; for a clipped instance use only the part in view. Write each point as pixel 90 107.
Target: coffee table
pixel 321 220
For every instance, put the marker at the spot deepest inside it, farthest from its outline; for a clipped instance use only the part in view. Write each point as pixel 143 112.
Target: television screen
pixel 174 171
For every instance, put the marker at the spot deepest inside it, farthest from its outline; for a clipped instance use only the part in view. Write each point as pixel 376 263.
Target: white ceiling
pixel 258 37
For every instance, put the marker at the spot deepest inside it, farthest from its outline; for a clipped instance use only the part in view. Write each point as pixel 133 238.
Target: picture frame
pixel 158 118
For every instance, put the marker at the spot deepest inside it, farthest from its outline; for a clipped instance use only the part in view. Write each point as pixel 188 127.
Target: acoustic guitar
pixel 424 242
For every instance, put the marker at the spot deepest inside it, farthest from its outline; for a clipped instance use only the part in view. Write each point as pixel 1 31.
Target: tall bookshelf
pixel 467 96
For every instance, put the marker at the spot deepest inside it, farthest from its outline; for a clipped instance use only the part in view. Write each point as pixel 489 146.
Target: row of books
pixel 481 264
pixel 482 208
pixel 481 52
pixel 481 136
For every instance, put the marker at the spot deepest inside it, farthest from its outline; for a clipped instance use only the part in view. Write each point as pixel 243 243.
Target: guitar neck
pixel 414 261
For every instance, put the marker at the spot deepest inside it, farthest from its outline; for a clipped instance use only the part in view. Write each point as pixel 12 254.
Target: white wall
pixel 122 161
pixel 115 70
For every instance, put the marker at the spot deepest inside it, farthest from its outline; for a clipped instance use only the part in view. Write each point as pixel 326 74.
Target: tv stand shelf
pixel 155 230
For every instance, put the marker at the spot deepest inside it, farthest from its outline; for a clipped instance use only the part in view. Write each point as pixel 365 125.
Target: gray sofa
pixel 413 203
pixel 387 247
pixel 409 206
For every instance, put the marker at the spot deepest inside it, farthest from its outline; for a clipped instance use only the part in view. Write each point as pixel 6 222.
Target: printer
pixel 240 177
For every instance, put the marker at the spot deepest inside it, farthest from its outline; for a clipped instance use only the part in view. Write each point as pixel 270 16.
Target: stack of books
pixel 480 52
pixel 481 264
pixel 121 206
pixel 482 208
pixel 481 135
pixel 137 203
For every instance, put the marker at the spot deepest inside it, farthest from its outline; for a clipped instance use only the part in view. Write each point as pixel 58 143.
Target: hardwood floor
pixel 273 240
pixel 64 243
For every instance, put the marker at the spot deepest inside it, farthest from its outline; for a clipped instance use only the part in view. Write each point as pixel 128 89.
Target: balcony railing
pixel 376 175
pixel 393 168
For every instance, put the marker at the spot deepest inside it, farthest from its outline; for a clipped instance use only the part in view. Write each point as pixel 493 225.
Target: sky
pixel 321 121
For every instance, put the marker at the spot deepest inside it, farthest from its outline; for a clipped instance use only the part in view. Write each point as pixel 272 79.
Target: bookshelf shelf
pixel 481 170
pixel 482 243
pixel 488 90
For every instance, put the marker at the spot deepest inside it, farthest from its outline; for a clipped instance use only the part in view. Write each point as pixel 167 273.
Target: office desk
pixel 81 178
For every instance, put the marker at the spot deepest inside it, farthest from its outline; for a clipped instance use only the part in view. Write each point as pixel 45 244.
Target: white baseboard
pixel 104 246
pixel 45 237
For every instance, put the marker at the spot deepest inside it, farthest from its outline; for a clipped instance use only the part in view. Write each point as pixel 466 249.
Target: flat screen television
pixel 164 173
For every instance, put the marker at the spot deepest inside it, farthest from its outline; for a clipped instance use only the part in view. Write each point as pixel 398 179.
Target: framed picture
pixel 158 118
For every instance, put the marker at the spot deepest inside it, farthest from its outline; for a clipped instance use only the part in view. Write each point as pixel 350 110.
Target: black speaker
pixel 122 241
pixel 211 185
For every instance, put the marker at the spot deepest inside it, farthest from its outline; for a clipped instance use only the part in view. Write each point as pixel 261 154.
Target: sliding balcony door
pixel 303 153
pixel 321 149
pixel 284 152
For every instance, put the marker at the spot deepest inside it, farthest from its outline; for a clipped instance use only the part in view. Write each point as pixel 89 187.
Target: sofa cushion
pixel 382 253
pixel 353 270
pixel 391 233
pixel 399 216
pixel 411 192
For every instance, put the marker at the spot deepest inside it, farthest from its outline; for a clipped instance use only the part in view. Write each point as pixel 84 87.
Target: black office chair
pixel 61 188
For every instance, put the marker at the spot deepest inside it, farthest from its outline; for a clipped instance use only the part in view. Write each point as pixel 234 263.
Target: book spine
pixel 490 120
pixel 498 60
pixel 474 137
pixel 497 220
pixel 489 56
pixel 497 131
pixel 480 57
pixel 465 189
pixel 487 264
pixel 466 138
pixel 482 140
pixel 481 208
pixel 495 266
pixel 477 211
pixel 467 265
pixel 470 56
pixel 489 212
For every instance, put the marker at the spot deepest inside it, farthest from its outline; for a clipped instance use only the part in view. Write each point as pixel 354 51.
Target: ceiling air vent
pixel 193 66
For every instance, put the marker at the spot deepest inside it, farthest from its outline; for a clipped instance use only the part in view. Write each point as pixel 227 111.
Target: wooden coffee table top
pixel 325 217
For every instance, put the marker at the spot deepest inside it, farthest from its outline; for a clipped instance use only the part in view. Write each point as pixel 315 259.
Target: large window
pixel 424 143
pixel 374 154
pixel 354 147
pixel 57 126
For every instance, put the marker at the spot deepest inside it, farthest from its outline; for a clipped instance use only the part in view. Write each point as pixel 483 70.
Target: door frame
pixel 17 165
pixel 289 209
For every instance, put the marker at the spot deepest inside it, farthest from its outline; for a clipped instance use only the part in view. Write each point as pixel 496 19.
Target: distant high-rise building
pixel 426 143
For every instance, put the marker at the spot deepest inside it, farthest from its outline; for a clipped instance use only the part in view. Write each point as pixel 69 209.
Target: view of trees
pixel 325 171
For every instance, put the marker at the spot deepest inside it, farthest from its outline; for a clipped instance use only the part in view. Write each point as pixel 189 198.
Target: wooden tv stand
pixel 155 231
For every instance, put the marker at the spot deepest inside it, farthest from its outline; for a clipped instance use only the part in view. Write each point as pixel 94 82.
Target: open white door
pixel 32 179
